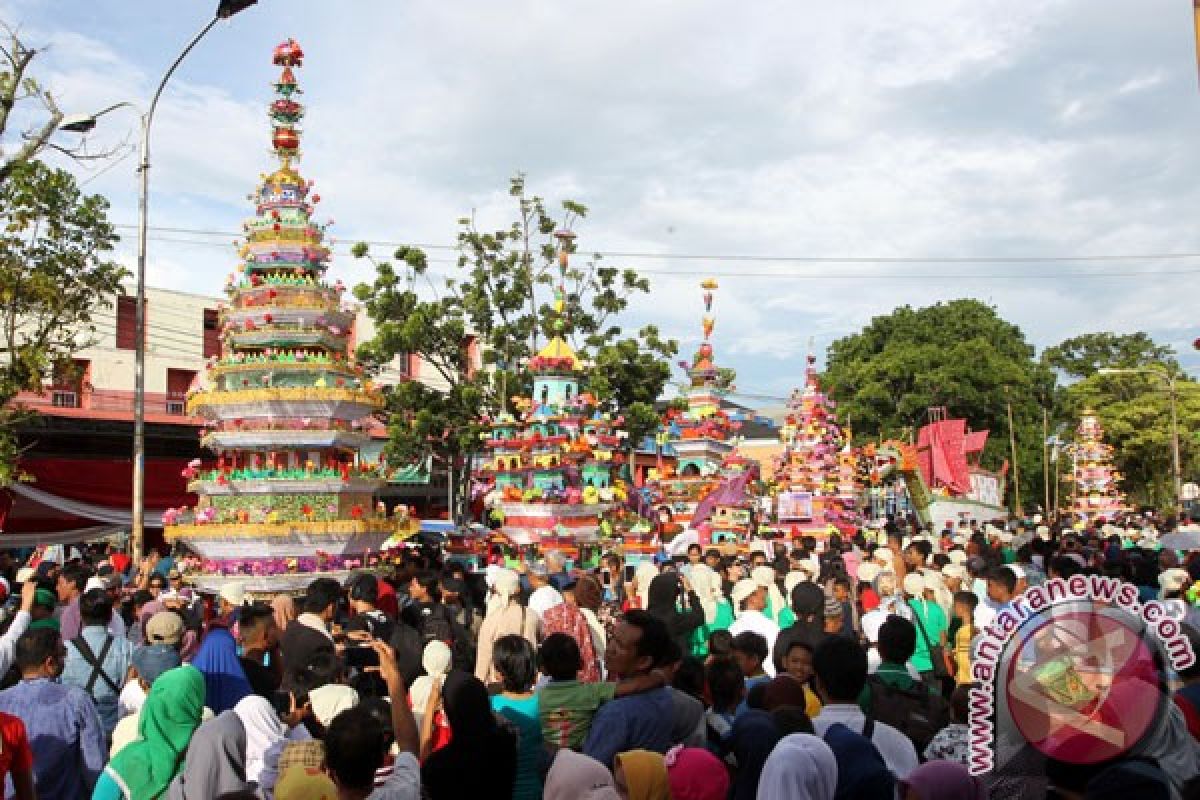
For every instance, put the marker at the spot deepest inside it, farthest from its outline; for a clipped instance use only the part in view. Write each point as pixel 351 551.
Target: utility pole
pixel 1012 440
pixel 1046 457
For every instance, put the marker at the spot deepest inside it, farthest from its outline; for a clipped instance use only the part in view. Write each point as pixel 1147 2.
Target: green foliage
pixel 1080 356
pixel 54 275
pixel 502 299
pixel 959 355
pixel 1134 407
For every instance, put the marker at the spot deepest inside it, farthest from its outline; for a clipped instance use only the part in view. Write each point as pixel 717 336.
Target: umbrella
pixel 1184 540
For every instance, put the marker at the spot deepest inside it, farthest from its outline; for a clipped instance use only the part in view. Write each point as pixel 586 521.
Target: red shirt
pixel 15 754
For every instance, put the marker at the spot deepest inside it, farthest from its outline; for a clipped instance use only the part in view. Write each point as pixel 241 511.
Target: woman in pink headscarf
pixel 285 610
pixel 942 780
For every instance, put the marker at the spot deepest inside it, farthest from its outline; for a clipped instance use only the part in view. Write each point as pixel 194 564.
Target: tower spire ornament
pixel 287 406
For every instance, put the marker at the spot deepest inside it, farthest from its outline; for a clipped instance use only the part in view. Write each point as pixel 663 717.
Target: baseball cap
pixel 153 660
pixel 165 627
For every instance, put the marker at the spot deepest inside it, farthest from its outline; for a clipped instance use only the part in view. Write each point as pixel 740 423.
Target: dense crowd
pixel 828 669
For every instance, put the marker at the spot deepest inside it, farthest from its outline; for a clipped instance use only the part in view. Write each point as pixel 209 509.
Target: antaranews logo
pixel 1075 668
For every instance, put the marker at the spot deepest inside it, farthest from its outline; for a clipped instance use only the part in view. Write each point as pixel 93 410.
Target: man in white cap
pixel 230 601
pixel 749 602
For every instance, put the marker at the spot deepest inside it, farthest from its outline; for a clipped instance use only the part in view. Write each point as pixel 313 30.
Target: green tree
pixel 54 275
pixel 1080 356
pixel 1134 407
pixel 503 298
pixel 959 355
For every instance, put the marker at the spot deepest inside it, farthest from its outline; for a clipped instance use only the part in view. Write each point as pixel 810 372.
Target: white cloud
pixel 921 128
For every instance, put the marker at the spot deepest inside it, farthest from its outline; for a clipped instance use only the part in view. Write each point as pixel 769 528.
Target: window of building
pixel 212 334
pixel 126 322
pixel 178 382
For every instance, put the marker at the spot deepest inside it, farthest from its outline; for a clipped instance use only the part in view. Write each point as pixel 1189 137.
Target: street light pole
pixel 225 10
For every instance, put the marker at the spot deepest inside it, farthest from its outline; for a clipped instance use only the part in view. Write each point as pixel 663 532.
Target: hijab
pixel 944 780
pixel 224 679
pixel 708 588
pixel 330 700
pixel 644 574
pixel 481 755
pixel 264 729
pixel 574 776
pixel 645 774
pixel 764 576
pixel 588 593
pixel 215 762
pixel 753 737
pixel 436 661
pixel 696 774
pixel 801 767
pixel 861 769
pixel 543 600
pixel 285 610
pixel 663 595
pixel 171 714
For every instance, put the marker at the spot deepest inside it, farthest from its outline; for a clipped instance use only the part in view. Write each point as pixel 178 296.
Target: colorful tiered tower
pixel 551 469
pixel 1097 482
pixel 703 438
pixel 286 403
pixel 815 474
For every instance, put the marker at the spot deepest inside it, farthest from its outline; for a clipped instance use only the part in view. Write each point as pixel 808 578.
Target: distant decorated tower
pixel 815 481
pixel 551 469
pixel 286 403
pixel 1097 482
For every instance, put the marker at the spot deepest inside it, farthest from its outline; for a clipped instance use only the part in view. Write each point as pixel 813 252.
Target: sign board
pixel 793 506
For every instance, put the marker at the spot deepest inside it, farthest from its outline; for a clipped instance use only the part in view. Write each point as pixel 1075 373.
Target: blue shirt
pixel 77 671
pixel 69 748
pixel 523 714
pixel 637 722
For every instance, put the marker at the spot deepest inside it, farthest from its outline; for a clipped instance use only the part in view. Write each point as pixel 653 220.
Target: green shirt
pixel 566 709
pixel 889 674
pixel 934 620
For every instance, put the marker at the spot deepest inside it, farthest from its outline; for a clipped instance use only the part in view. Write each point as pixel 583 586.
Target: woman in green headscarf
pixel 144 769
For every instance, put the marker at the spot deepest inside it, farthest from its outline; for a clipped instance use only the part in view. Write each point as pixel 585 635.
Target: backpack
pixel 862 772
pixel 437 622
pixel 916 712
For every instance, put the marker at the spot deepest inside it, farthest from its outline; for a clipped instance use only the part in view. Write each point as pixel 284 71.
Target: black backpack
pixel 438 622
pixel 862 772
pixel 916 712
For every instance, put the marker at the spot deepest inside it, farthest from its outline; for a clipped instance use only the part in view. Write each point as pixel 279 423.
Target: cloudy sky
pixel 928 129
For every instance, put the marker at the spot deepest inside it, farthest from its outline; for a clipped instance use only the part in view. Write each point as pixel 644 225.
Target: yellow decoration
pixel 347 527
pixel 559 349
pixel 282 394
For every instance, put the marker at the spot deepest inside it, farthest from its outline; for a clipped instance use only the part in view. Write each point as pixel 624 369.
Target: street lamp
pixel 83 124
pixel 1169 380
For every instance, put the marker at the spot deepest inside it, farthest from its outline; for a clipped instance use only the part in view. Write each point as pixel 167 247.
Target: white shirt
pixel 896 748
pixel 760 623
pixel 8 642
pixel 131 699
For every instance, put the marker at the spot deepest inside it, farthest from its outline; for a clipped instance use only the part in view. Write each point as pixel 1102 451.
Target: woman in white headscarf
pixel 264 730
pixel 642 577
pixel 777 607
pixel 505 616
pixel 436 660
pixel 718 613
pixel 801 767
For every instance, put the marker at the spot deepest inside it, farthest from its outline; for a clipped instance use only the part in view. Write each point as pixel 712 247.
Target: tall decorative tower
pixel 551 469
pixel 1097 482
pixel 286 402
pixel 702 435
pixel 815 473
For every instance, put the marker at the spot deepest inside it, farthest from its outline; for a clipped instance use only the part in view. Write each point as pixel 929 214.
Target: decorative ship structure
pixel 707 488
pixel 943 478
pixel 816 489
pixel 286 403
pixel 1097 482
pixel 552 469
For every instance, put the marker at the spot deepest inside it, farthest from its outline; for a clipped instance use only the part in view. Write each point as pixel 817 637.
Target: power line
pixel 811 259
pixel 1056 275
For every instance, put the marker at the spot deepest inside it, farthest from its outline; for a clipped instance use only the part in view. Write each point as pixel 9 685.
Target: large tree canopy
pixel 503 300
pixel 54 274
pixel 1134 406
pixel 958 355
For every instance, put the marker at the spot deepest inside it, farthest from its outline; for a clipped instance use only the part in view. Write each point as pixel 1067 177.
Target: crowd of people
pixel 832 668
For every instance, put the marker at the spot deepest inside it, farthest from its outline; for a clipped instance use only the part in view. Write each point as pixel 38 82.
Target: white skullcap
pixel 1174 579
pixel 914 584
pixel 885 555
pixel 233 593
pixel 957 556
pixel 93 583
pixel 955 571
pixel 792 580
pixel 743 589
